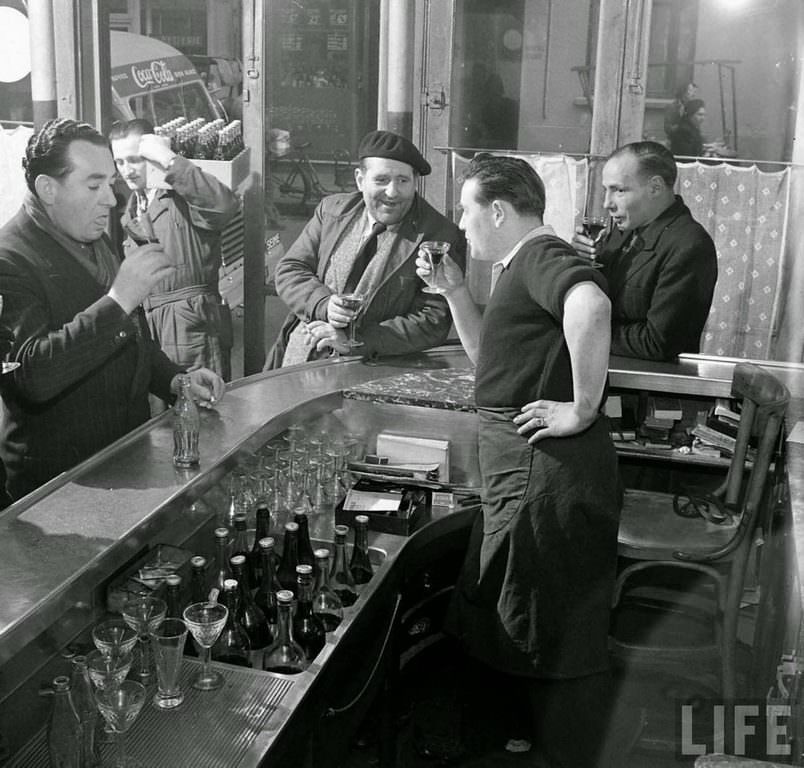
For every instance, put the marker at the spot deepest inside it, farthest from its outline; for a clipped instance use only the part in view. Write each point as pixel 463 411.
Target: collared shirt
pixel 498 266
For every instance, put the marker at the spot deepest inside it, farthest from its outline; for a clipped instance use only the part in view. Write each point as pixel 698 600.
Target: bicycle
pixel 301 178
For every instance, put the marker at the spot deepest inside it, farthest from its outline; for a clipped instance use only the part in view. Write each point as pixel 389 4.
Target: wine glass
pixel 595 227
pixel 7 367
pixel 205 621
pixel 120 706
pixel 143 615
pixel 353 301
pixel 114 637
pixel 107 670
pixel 435 251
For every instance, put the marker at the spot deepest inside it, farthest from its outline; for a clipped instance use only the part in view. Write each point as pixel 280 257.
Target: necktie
pixel 364 256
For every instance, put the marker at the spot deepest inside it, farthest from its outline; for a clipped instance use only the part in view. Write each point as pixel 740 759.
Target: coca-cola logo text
pixel 156 74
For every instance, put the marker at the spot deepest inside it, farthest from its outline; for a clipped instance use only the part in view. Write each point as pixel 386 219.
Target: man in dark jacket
pixel 660 263
pixel 87 361
pixel 366 242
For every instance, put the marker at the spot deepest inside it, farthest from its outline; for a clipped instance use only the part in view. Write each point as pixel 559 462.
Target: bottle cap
pixel 304 570
pixel 198 561
pixel 284 596
pixel 267 542
pixel 173 579
pixel 341 530
pixel 229 584
pixel 291 527
pixel 362 519
pixel 321 553
pixel 238 560
pixel 240 518
pixel 221 533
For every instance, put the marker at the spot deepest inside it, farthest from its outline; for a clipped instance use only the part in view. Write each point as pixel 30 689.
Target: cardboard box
pixel 390 508
pixel 232 173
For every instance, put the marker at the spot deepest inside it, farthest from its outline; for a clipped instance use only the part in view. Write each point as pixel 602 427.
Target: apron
pixel 534 594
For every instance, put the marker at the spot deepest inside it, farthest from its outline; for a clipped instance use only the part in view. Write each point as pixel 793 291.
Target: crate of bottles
pixel 213 146
pixel 232 172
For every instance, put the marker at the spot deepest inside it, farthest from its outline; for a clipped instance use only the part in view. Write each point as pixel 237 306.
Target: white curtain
pixel 12 180
pixel 745 211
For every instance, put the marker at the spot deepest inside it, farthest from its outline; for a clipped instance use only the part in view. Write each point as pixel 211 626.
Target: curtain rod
pixel 586 155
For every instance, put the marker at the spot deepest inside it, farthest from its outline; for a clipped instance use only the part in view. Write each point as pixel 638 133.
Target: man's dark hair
pixel 46 152
pixel 654 159
pixel 122 129
pixel 510 179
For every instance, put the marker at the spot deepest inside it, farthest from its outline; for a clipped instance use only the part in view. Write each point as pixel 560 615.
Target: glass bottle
pixel 305 546
pixel 240 543
pixel 285 655
pixel 222 570
pixel 64 728
pixel 237 481
pixel 326 604
pixel 173 599
pixel 83 701
pixel 262 531
pixel 360 564
pixel 286 572
pixel 265 597
pixel 198 580
pixel 249 615
pixel 186 426
pixel 340 576
pixel 232 645
pixel 308 629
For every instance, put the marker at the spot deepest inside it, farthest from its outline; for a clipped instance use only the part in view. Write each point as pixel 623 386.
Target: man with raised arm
pixel 87 361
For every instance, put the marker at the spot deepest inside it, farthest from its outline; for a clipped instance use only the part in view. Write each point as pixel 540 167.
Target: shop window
pixel 673 29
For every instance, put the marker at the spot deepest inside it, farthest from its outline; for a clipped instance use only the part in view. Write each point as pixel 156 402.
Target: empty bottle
pixel 308 629
pixel 360 564
pixel 239 544
pixel 83 701
pixel 265 597
pixel 222 569
pixel 64 728
pixel 249 613
pixel 232 646
pixel 326 604
pixel 285 655
pixel 286 572
pixel 305 546
pixel 340 577
pixel 173 597
pixel 186 426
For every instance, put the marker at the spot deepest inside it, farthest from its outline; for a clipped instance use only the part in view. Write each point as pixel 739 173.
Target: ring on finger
pixel 539 421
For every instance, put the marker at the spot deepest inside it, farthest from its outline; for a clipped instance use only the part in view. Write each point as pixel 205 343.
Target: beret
pixel 394 147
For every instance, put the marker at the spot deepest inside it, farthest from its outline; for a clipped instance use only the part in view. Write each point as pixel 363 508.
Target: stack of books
pixel 717 428
pixel 658 427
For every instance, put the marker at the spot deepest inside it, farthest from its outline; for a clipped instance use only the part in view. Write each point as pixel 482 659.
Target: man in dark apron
pixel 533 599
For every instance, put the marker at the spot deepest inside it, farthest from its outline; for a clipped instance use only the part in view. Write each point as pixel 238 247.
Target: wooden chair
pixel 653 536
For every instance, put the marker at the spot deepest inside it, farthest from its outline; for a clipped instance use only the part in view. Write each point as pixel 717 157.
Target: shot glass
pixel 167 642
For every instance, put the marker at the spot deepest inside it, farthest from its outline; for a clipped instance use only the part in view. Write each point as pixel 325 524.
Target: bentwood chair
pixel 657 531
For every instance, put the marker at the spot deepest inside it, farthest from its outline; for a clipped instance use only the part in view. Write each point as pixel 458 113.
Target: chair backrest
pixel 764 401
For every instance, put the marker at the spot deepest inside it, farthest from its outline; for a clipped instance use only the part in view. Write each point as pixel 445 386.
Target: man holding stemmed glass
pixel 365 244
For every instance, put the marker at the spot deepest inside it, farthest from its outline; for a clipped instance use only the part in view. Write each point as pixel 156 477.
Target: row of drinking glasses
pixel 161 646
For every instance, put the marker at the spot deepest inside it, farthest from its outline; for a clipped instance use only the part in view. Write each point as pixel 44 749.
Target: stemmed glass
pixel 143 615
pixel 205 621
pixel 353 301
pixel 595 227
pixel 120 706
pixel 435 251
pixel 114 637
pixel 107 670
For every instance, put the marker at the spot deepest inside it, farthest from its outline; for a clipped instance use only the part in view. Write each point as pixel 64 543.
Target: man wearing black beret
pixel 366 242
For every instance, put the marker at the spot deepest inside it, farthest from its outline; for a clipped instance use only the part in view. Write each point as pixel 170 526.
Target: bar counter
pixel 60 545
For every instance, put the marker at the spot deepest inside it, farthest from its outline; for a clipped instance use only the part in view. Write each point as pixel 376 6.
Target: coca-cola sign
pixel 158 73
